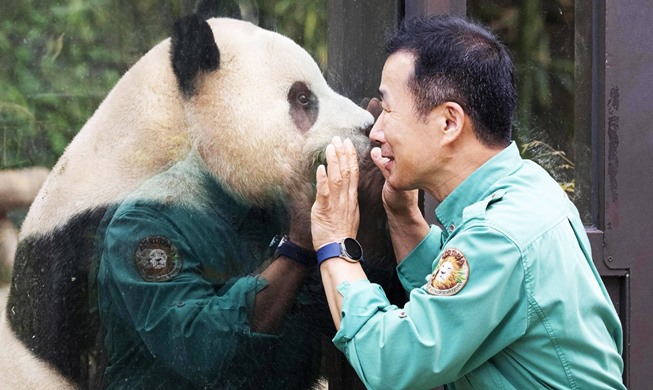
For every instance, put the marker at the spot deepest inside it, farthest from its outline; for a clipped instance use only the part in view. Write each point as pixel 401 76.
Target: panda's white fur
pixel 239 119
pixel 138 130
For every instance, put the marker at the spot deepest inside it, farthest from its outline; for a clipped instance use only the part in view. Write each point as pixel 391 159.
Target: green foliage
pixel 304 21
pixel 540 34
pixel 556 162
pixel 59 59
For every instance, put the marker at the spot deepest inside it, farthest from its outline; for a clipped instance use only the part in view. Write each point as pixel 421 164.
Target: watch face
pixel 353 248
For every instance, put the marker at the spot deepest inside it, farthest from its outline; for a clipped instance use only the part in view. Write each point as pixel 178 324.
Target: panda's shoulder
pixel 177 186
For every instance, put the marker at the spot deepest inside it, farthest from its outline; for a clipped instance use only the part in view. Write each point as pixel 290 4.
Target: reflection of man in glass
pixel 187 295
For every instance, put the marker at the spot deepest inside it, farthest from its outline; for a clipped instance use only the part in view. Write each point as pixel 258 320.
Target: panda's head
pixel 257 106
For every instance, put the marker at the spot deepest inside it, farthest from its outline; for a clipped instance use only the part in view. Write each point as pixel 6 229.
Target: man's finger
pixel 343 161
pixel 322 186
pixel 352 161
pixel 333 167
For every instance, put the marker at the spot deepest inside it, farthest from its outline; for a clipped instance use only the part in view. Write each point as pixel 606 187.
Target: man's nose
pixel 376 133
pixel 371 132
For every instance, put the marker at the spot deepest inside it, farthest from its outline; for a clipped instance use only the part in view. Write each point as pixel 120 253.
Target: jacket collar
pixel 477 186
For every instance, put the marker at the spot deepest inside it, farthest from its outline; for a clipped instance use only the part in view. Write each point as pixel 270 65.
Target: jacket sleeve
pixel 183 321
pixel 436 339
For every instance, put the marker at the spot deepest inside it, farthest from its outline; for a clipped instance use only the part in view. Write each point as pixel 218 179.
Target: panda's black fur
pixel 52 301
pixel 49 298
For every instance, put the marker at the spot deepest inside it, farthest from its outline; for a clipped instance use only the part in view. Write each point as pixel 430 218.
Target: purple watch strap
pixel 328 251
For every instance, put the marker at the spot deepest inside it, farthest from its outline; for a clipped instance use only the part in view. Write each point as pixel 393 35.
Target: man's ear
pixel 454 120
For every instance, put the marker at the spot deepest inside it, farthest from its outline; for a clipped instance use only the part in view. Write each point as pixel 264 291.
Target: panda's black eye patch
pixel 303 106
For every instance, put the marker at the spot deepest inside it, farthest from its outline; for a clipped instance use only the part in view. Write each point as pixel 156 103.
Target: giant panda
pixel 252 99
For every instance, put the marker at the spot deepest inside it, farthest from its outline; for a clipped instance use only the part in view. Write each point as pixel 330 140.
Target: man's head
pixel 448 98
pixel 459 61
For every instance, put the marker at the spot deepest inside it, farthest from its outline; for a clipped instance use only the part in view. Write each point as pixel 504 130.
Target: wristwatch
pixel 349 249
pixel 293 252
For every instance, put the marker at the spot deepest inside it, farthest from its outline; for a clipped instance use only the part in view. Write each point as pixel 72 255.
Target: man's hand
pixel 405 221
pixel 335 214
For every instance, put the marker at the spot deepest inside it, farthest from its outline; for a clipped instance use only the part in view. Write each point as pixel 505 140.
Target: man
pixel 506 295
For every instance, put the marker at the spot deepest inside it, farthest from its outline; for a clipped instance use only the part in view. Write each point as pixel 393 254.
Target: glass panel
pixel 58 61
pixel 541 36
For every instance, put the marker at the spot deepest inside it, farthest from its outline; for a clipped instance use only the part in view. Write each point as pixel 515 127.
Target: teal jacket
pixel 525 308
pixel 176 288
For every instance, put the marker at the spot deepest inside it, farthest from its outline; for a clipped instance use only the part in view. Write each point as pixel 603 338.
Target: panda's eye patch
pixel 303 106
pixel 300 93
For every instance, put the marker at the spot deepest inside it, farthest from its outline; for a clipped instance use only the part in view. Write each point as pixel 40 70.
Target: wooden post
pixel 17 191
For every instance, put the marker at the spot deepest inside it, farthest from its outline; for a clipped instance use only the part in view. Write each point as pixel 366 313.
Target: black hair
pixel 464 62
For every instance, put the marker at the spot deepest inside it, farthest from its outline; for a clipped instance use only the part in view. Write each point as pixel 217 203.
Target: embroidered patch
pixel 451 274
pixel 157 259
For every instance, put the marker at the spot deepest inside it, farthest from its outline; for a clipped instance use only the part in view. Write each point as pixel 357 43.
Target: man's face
pixel 408 141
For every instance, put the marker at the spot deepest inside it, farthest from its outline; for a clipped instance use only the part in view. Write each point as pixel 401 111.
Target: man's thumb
pixel 380 161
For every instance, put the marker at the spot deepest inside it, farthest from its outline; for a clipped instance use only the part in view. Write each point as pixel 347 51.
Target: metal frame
pixel 622 117
pixel 613 115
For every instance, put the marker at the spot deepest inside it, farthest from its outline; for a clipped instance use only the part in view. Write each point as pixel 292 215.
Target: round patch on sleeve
pixel 450 275
pixel 157 259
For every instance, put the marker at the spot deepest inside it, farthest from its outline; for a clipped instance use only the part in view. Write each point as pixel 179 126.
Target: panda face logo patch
pixel 450 275
pixel 157 259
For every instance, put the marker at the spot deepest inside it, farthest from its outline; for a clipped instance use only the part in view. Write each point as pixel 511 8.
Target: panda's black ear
pixel 193 50
pixel 207 9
